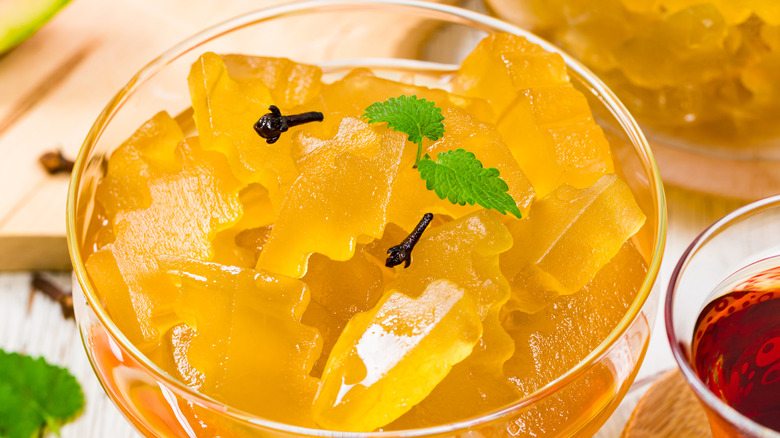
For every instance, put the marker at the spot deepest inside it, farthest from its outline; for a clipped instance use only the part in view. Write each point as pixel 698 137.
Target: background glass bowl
pixel 424 36
pixel 703 267
pixel 701 77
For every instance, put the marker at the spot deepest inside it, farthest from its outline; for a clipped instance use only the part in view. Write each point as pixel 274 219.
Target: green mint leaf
pixel 417 118
pixel 34 395
pixel 459 176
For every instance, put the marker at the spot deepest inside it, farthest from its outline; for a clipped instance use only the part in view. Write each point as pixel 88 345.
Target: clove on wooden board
pixel 55 162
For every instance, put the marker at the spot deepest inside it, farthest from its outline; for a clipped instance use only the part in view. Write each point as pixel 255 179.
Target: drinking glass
pixel 744 242
pixel 422 39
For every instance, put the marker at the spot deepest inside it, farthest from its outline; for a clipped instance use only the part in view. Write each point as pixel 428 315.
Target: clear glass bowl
pixel 699 76
pixel 424 37
pixel 743 241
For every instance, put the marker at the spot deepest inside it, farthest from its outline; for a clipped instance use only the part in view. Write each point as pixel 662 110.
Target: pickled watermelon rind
pixel 652 199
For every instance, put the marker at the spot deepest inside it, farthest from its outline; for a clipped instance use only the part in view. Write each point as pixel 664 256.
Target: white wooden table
pixel 33 324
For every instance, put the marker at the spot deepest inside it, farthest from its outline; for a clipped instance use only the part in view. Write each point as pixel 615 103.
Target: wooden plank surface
pixel 32 324
pixel 53 86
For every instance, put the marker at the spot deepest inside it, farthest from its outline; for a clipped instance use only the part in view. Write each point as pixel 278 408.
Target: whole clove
pixel 57 294
pixel 272 125
pixel 54 162
pixel 402 253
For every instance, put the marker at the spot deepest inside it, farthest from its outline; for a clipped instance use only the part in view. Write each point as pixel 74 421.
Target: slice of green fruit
pixel 19 19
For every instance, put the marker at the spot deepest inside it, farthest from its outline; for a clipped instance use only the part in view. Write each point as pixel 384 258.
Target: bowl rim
pixel 463 16
pixel 704 394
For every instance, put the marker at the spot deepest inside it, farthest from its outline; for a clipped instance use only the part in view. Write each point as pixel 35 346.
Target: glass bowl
pixel 419 37
pixel 738 246
pixel 699 76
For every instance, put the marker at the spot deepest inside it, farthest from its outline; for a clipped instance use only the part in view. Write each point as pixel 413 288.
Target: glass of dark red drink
pixel 723 320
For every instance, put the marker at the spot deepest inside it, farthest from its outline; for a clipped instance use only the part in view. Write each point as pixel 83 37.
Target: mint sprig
pixel 35 395
pixel 459 176
pixel 455 175
pixel 417 118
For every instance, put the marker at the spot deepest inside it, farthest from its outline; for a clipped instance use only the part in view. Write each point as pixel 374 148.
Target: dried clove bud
pixel 51 290
pixel 273 124
pixel 55 162
pixel 402 253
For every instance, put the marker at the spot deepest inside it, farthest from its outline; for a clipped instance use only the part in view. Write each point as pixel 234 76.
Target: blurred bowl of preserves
pixel 701 78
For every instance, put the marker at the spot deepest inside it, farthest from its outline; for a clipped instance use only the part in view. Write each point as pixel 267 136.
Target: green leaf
pixel 415 117
pixel 20 19
pixel 34 395
pixel 459 176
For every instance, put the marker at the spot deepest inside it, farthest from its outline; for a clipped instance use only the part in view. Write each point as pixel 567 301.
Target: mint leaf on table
pixel 35 395
pixel 459 176
pixel 417 118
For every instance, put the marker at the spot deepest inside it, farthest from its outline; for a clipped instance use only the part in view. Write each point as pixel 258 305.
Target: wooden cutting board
pixel 53 86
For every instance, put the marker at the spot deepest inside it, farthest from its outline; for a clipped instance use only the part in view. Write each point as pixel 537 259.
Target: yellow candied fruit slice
pixel 530 90
pixel 566 238
pixel 225 112
pixel 466 392
pixel 582 151
pixel 639 6
pixel 172 356
pixel 770 35
pixel 341 194
pixel 228 252
pixel 351 95
pixel 247 338
pixel 558 105
pixel 698 27
pixel 550 342
pixel 253 239
pixel 503 64
pixel 133 307
pixel 205 186
pixel 345 287
pixel 329 327
pixel 531 146
pixel 341 289
pixel 258 215
pixel 99 232
pixel 466 252
pixel 290 83
pixel 769 11
pixel 148 153
pixel 388 359
pixel 761 77
pixel 694 43
pixel 128 268
pixel 734 12
pixel 462 130
pixel 410 198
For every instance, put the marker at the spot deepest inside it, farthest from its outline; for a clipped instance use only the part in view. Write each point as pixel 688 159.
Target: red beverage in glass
pixel 736 343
